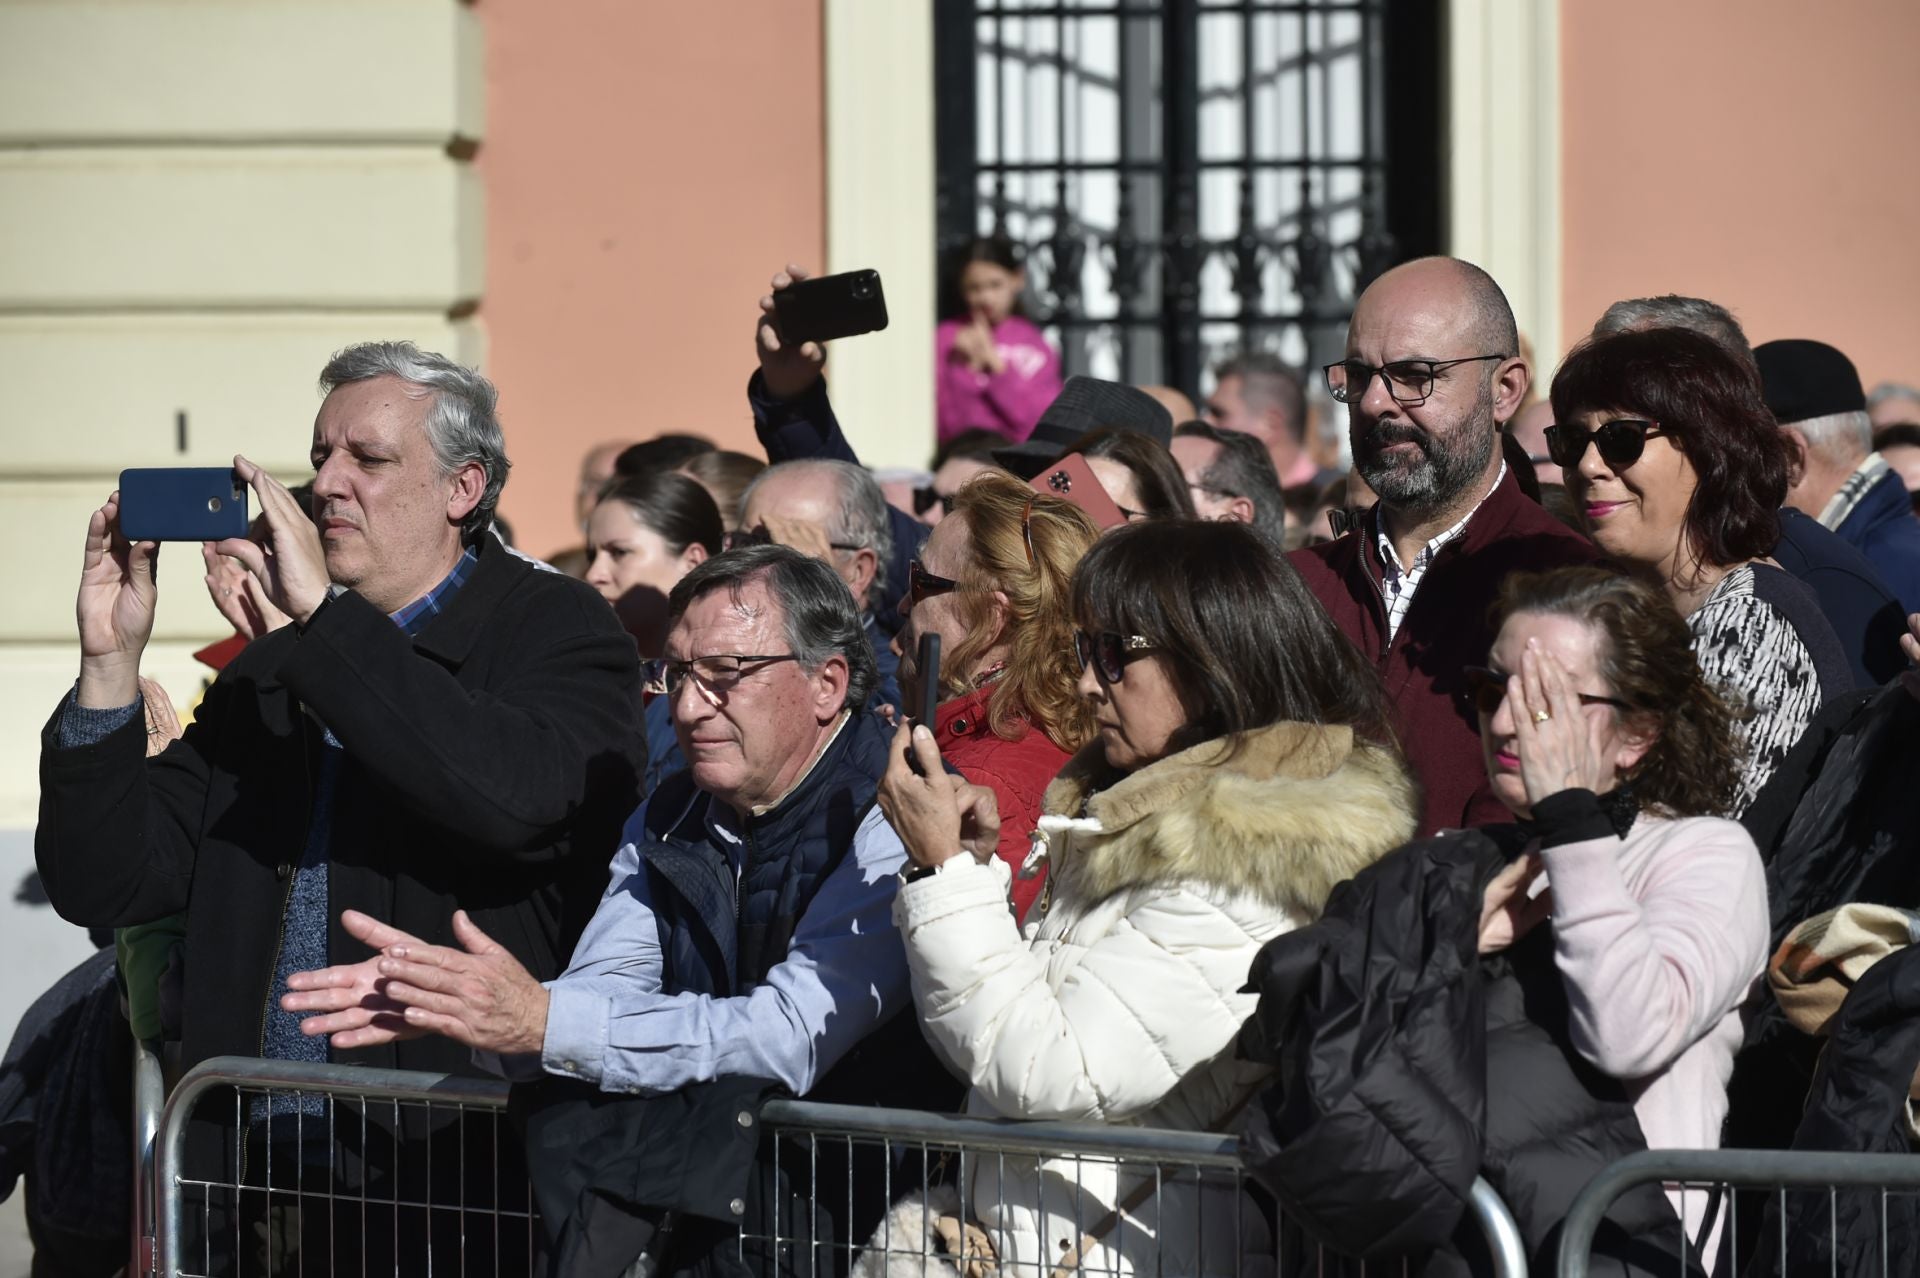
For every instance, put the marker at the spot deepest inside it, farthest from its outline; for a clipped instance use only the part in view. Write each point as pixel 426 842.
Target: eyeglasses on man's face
pixel 1109 653
pixel 1409 381
pixel 1621 441
pixel 759 536
pixel 719 673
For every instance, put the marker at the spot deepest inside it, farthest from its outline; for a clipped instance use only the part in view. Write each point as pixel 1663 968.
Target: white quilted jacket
pixel 1122 1001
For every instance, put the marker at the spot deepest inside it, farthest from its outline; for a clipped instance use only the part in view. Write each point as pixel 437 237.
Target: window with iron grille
pixel 1191 177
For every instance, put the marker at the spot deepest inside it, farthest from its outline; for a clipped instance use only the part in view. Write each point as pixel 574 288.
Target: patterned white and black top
pixel 1761 638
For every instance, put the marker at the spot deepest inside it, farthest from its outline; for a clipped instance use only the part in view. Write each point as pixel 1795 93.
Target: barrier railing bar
pixel 1777 1169
pixel 149 1094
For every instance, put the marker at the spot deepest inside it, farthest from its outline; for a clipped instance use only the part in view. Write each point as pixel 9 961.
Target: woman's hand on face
pixel 1506 911
pixel 927 809
pixel 1559 743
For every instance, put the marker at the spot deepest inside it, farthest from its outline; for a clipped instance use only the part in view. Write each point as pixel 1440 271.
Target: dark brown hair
pixel 1247 641
pixel 1711 404
pixel 1646 660
pixel 1163 489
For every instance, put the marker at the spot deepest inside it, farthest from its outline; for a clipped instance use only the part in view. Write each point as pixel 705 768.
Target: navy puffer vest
pixel 719 942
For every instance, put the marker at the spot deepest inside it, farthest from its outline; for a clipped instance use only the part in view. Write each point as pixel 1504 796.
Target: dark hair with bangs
pixel 1247 641
pixel 1711 404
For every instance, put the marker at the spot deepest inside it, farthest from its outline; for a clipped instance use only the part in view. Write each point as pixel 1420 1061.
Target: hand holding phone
pixel 182 503
pixel 831 307
pixel 927 668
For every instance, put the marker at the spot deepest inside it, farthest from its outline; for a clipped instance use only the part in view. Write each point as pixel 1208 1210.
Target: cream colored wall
pixel 1755 152
pixel 202 200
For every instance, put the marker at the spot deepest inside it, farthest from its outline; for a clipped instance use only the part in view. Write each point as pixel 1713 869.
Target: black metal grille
pixel 1193 176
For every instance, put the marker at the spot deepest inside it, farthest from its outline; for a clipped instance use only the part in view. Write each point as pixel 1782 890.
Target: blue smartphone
pixel 186 503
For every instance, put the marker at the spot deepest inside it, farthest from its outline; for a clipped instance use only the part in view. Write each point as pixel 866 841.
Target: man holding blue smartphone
pixel 442 728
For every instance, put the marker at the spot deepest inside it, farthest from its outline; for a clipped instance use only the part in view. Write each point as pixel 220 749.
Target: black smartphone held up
pixel 187 503
pixel 928 668
pixel 831 306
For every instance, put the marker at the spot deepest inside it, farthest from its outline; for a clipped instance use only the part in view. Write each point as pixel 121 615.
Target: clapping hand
pixel 936 814
pixel 1561 746
pixel 974 346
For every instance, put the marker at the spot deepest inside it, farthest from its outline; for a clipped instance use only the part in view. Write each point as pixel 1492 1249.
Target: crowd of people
pixel 1454 814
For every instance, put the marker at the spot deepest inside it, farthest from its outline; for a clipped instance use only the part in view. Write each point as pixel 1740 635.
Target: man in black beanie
pixel 1815 395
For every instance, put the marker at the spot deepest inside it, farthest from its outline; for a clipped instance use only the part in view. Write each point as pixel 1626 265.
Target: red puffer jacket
pixel 1016 771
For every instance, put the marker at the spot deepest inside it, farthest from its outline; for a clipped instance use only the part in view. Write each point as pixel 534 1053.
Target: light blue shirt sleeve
pixel 609 1023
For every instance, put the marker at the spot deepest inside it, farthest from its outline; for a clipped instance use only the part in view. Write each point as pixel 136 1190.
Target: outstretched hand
pixel 351 999
pixel 789 371
pixel 937 815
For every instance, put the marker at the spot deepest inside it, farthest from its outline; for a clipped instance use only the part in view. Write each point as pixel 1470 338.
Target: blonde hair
pixel 1003 518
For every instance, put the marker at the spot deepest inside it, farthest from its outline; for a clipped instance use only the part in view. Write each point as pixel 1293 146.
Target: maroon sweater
pixel 1445 630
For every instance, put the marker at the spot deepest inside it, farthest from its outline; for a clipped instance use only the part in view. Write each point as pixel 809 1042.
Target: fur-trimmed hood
pixel 1293 811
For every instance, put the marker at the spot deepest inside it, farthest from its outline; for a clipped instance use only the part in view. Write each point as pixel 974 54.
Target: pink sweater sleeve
pixel 1017 395
pixel 1651 969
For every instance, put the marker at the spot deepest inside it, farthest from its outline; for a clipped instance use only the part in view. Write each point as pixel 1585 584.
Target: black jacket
pixel 1864 613
pixel 1858 1105
pixel 490 762
pixel 1407 1064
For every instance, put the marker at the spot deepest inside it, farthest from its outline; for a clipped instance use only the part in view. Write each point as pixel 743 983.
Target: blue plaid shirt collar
pixel 414 617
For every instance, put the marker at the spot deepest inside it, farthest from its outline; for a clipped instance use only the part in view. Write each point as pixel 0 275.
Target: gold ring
pixel 1541 716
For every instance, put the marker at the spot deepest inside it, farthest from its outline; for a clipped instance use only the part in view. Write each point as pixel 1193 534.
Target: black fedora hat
pixel 1086 404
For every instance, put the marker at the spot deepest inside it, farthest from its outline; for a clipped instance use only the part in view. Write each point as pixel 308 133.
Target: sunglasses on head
pixel 1621 441
pixel 1109 653
pixel 1488 688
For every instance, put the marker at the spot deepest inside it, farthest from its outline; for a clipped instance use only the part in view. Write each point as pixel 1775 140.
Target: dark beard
pixel 1443 472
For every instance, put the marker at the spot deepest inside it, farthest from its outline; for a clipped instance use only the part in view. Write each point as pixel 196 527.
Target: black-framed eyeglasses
pixel 1409 381
pixel 1621 441
pixel 1110 652
pixel 759 536
pixel 1486 689
pixel 923 585
pixel 720 671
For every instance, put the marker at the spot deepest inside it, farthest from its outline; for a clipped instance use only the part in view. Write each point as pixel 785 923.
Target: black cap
pixel 1806 379
pixel 1086 404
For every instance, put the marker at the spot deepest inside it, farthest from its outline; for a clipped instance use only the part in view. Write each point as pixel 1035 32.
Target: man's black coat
pixel 490 763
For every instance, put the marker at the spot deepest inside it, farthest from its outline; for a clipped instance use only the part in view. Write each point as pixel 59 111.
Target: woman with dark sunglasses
pixel 992 582
pixel 1240 771
pixel 1676 465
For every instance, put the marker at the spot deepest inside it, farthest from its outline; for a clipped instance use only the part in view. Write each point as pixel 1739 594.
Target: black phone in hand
pixel 831 306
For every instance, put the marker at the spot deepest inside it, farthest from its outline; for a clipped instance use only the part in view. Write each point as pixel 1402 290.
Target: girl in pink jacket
pixel 995 370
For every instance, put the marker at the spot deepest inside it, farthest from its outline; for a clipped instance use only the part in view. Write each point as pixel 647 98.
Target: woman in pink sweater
pixel 1599 729
pixel 995 370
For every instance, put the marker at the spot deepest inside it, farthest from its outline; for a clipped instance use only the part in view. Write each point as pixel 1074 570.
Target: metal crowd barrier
pixel 1798 1193
pixel 149 1095
pixel 835 1174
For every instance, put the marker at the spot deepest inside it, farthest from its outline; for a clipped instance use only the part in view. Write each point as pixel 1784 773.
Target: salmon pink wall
pixel 647 166
pixel 1756 152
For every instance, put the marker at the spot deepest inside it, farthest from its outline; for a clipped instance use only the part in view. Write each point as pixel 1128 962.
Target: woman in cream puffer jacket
pixel 1237 779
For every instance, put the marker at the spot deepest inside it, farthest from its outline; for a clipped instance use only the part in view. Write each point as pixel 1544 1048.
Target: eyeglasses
pixel 1409 381
pixel 719 672
pixel 1488 688
pixel 759 536
pixel 1225 493
pixel 1110 652
pixel 924 499
pixel 1621 442
pixel 922 585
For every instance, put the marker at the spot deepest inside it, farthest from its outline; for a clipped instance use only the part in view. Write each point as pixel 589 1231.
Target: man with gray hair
pixel 835 511
pixel 1230 476
pixel 1815 395
pixel 1259 394
pixel 441 728
pixel 745 940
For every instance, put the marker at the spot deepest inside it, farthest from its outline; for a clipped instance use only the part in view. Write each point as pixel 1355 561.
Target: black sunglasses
pixel 1110 652
pixel 922 584
pixel 1488 688
pixel 1621 441
pixel 925 498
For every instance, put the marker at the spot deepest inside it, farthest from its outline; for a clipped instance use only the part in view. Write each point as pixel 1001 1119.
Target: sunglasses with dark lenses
pixel 1488 688
pixel 1621 441
pixel 1109 652
pixel 922 584
pixel 759 536
pixel 925 499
